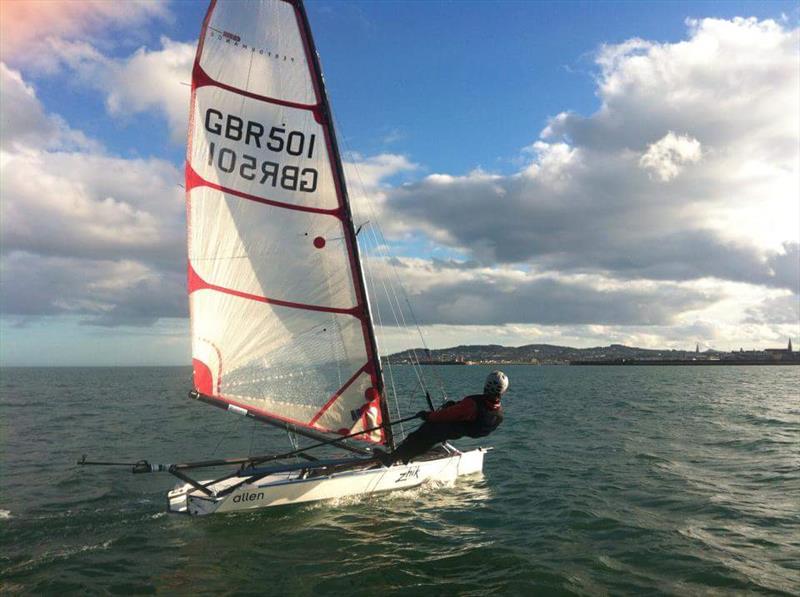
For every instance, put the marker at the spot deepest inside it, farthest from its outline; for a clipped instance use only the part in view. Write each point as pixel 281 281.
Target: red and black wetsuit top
pixel 477 415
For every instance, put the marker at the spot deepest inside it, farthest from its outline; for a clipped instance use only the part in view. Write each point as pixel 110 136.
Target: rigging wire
pixel 236 424
pixel 397 307
pixel 370 280
pixel 252 437
pixel 392 299
pixel 293 440
pixel 380 242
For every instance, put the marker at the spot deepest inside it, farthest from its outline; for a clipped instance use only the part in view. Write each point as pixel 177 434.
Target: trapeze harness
pixel 486 420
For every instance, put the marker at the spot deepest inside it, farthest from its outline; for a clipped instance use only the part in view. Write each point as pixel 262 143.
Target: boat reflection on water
pixel 432 498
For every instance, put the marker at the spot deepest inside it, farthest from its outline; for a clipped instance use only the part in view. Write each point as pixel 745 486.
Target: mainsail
pixel 280 318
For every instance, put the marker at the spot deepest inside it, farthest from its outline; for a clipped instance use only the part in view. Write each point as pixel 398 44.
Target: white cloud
pixel 74 35
pixel 367 186
pixel 715 116
pixel 370 173
pixel 101 291
pixel 83 231
pixel 553 163
pixel 668 155
pixel 393 136
pixel 783 309
pixel 153 80
pixel 456 293
pixel 459 303
pixel 42 37
pixel 24 123
pixel 72 203
pixel 147 81
pixel 732 85
pixel 728 79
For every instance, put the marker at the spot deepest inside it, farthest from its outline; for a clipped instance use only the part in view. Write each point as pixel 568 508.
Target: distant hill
pixel 551 354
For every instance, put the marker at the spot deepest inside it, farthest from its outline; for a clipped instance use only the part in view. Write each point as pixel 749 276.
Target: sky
pixel 543 172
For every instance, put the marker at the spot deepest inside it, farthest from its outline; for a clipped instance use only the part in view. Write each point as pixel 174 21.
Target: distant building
pixel 781 354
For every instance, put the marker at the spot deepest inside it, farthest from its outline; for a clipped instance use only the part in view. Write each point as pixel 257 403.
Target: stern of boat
pixel 185 499
pixel 471 462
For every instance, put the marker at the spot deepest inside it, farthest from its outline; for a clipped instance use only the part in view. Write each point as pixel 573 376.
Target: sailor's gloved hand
pixel 423 414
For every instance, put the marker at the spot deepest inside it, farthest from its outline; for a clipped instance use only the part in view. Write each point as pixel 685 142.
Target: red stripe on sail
pixel 258 411
pixel 204 375
pixel 193 180
pixel 338 394
pixel 249 408
pixel 197 283
pixel 203 380
pixel 201 78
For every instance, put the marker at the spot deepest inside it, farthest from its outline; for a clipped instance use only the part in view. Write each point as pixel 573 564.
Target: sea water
pixel 602 480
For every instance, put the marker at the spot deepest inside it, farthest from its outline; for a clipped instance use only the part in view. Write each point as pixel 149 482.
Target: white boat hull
pixel 285 488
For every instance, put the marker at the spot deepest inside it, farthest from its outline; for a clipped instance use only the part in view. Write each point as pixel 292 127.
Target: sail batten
pixel 279 312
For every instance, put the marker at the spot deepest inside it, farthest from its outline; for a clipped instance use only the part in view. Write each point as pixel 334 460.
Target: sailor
pixel 473 416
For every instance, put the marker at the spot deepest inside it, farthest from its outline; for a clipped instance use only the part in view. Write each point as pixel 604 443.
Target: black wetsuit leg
pixel 423 439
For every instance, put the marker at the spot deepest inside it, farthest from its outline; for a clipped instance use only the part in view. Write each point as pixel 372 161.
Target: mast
pixel 336 159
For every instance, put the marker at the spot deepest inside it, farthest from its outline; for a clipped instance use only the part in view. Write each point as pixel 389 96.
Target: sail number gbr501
pixel 251 168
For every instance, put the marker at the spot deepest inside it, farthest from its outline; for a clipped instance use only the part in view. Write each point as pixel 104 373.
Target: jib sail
pixel 279 313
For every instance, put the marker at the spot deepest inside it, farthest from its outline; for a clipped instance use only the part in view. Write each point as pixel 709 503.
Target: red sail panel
pixel 279 314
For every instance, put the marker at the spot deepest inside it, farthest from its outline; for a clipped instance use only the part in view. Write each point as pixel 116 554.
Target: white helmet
pixel 496 383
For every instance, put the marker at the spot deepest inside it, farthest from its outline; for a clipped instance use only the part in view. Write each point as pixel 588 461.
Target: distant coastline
pixel 701 363
pixel 613 355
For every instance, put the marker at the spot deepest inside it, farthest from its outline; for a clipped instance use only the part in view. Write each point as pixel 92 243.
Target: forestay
pixel 279 313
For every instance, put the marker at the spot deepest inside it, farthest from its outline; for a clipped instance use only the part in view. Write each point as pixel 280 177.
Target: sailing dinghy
pixel 281 323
